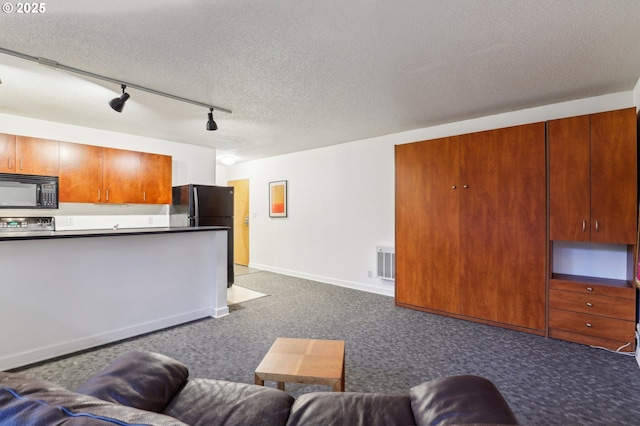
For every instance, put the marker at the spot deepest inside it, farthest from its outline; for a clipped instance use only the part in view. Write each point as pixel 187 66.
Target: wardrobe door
pixel 614 188
pixel 503 225
pixel 569 179
pixel 427 239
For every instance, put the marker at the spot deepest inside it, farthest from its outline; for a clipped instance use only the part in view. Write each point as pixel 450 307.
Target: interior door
pixel 241 221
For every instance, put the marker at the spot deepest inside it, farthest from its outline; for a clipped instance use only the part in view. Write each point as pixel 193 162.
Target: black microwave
pixel 28 191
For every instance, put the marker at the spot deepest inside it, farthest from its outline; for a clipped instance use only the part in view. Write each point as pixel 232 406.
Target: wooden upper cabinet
pixel 121 176
pixel 31 156
pixel 614 177
pixel 593 178
pixel 7 153
pixel 80 173
pixel 155 178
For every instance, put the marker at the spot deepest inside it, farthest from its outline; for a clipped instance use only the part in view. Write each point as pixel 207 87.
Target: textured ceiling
pixel 300 74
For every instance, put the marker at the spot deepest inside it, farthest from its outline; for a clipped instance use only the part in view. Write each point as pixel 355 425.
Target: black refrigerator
pixel 205 205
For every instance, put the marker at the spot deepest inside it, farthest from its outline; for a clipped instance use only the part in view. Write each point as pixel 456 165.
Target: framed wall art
pixel 278 199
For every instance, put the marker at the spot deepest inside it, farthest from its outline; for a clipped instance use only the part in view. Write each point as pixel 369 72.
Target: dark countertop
pixel 43 235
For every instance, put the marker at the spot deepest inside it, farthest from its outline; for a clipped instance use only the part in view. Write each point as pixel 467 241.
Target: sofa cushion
pixel 140 379
pixel 459 400
pixel 209 402
pixel 351 408
pixel 27 401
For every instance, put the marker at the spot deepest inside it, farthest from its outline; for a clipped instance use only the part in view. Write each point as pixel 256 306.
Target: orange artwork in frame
pixel 278 199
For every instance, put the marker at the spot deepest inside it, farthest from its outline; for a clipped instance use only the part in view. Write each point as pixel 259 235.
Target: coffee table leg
pixel 281 386
pixel 257 380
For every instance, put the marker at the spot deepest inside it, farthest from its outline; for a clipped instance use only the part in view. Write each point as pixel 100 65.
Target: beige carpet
pixel 237 294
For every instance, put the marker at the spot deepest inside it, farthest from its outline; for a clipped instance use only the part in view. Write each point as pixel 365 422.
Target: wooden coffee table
pixel 308 361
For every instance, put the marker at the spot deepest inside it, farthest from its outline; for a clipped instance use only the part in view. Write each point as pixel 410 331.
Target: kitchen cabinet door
pixel 7 153
pixel 80 173
pixel 36 156
pixel 121 176
pixel 503 225
pixel 427 225
pixel 155 178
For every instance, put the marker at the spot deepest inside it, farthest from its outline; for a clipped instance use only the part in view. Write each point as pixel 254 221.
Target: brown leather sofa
pixel 145 388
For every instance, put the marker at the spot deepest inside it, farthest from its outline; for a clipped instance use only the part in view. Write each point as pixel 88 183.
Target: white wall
pixel 341 198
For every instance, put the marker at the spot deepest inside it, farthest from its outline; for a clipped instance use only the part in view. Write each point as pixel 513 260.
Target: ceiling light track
pixel 54 64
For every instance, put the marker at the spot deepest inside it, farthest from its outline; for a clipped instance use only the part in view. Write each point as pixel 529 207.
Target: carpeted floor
pixel 388 349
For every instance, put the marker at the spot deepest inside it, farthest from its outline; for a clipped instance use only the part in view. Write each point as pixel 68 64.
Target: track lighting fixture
pixel 211 125
pixel 118 103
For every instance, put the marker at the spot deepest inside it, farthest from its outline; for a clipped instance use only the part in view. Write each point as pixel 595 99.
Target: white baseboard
pixel 385 291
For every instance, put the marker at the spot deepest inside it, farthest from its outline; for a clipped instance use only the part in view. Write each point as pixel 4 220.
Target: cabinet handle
pixel 107 195
pixel 10 163
pixel 21 164
pixel 597 226
pixel 584 225
pixel 144 196
pixel 589 325
pixel 589 288
pixel 465 186
pixel 98 195
pixel 453 187
pixel 589 304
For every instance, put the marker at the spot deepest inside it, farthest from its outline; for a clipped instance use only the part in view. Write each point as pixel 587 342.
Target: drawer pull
pixel 589 325
pixel 589 288
pixel 589 304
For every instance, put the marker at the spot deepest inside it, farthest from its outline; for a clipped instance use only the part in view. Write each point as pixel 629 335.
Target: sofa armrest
pixel 459 400
pixel 140 379
pixel 25 400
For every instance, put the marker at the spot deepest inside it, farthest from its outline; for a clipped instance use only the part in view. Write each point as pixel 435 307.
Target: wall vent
pixel 386 264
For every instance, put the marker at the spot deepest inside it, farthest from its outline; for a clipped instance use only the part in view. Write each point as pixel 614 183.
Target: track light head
pixel 118 103
pixel 211 125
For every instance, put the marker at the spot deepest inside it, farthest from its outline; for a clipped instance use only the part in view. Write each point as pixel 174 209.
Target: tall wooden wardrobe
pixel 471 237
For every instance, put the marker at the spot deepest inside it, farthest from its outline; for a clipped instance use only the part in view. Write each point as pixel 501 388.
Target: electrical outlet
pixel 370 273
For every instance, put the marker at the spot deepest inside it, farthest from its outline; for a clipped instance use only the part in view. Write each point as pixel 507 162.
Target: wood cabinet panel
pixel 155 178
pixel 612 288
pixel 121 176
pixel 569 179
pixel 7 153
pixel 585 339
pixel 80 173
pixel 427 209
pixel 471 226
pixel 614 189
pixel 592 325
pixel 502 225
pixel 614 307
pixel 593 178
pixel 36 156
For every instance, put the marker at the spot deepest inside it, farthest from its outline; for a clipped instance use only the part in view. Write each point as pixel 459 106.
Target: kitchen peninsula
pixel 65 291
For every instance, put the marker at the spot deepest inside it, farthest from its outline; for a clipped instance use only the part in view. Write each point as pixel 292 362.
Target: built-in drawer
pixel 623 291
pixel 615 307
pixel 609 328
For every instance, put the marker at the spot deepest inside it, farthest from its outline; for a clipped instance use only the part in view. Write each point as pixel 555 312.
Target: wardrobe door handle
pixel 453 187
pixel 589 304
pixel 584 225
pixel 589 288
pixel 589 325
pixel 597 226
